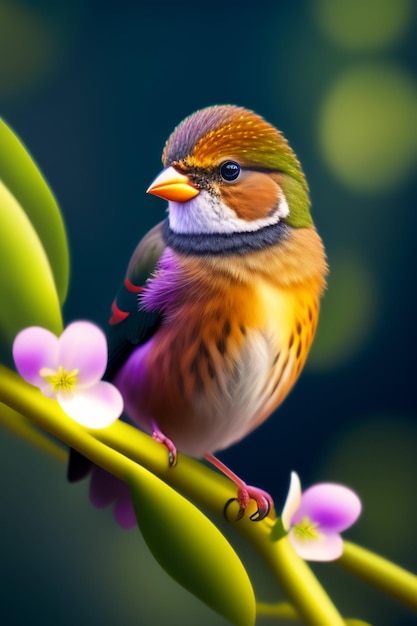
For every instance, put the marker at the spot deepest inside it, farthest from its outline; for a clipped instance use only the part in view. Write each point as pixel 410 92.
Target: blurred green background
pixel 93 89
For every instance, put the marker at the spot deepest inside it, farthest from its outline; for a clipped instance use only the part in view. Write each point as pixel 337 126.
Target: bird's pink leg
pixel 245 492
pixel 159 436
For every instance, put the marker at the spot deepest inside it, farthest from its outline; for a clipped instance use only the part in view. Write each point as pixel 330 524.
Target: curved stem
pixel 381 573
pixel 117 447
pixel 121 447
pixel 280 610
pixel 21 426
pixel 298 581
pixel 48 415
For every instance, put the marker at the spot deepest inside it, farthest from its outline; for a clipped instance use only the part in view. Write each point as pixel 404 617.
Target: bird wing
pixel 130 325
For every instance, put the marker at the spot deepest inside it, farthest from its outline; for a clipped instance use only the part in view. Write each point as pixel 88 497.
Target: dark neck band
pixel 225 243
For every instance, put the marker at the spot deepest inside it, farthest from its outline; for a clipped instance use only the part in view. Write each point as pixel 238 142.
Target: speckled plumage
pixel 213 323
pixel 235 335
pixel 235 287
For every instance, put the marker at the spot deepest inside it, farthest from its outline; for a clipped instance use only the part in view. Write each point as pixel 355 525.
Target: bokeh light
pixel 376 456
pixel 368 127
pixel 93 90
pixel 32 45
pixel 364 24
pixel 348 313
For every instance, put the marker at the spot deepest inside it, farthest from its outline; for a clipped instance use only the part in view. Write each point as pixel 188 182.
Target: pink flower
pixel 70 368
pixel 314 519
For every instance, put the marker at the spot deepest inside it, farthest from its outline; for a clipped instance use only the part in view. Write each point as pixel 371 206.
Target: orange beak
pixel 171 185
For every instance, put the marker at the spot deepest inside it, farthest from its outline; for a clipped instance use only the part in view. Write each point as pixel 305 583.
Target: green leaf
pixel 191 549
pixel 28 295
pixel 22 177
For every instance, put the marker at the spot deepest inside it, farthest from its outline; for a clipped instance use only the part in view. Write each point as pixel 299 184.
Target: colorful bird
pixel 214 320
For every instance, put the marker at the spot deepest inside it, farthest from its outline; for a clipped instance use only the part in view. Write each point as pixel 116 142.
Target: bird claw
pixel 246 493
pixel 159 436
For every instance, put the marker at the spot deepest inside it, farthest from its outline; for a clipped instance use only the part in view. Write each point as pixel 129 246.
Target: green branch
pixel 381 573
pixel 278 610
pixel 23 428
pixel 122 449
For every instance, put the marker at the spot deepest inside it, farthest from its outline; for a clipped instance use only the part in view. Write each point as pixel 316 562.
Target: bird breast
pixel 224 357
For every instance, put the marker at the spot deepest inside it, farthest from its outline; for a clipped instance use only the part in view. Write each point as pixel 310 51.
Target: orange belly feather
pixel 229 351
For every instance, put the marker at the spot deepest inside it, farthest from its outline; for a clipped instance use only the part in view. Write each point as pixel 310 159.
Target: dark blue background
pixel 94 90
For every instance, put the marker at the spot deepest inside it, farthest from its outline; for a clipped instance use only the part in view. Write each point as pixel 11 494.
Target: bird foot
pixel 159 436
pixel 245 493
pixel 263 500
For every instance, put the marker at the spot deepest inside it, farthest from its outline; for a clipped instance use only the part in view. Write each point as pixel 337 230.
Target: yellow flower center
pixel 306 529
pixel 60 380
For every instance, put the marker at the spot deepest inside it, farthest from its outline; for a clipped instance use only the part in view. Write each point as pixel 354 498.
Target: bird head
pixel 227 170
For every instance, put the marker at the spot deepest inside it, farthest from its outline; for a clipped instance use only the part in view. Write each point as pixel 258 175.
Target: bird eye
pixel 229 170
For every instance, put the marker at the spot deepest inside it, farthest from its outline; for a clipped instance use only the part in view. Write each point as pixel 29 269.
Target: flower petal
pixel 106 489
pixel 292 502
pixel 33 349
pixel 327 547
pixel 333 507
pixel 83 346
pixel 124 512
pixel 97 406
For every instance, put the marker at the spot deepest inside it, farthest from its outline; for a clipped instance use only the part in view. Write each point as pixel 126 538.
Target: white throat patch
pixel 206 214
